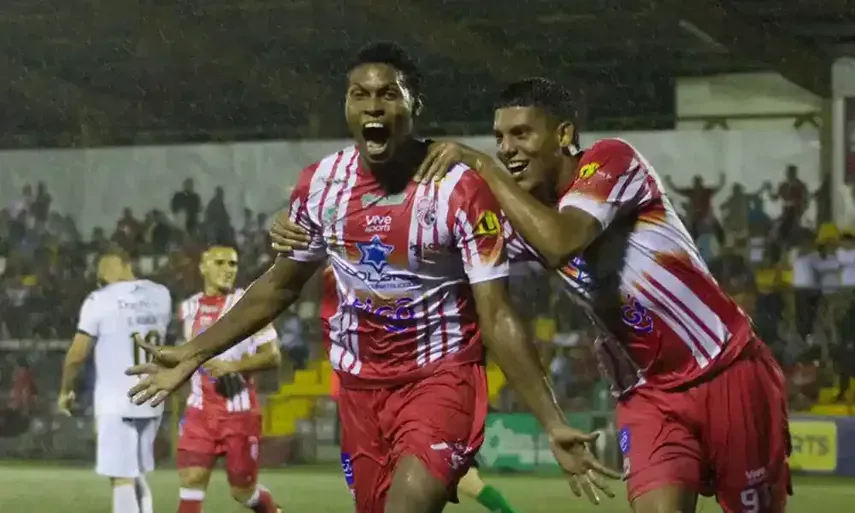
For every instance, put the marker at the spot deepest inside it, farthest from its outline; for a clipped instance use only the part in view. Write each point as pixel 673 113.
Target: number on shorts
pixel 141 355
pixel 756 499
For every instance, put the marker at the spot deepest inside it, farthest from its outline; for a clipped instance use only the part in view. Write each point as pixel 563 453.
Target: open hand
pixel 442 156
pixel 165 355
pixel 157 381
pixel 287 236
pixel 583 470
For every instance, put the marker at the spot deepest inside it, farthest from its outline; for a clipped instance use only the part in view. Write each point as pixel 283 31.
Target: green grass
pixel 28 488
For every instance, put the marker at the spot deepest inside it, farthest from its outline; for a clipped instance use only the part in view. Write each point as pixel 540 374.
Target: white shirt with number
pixel 111 316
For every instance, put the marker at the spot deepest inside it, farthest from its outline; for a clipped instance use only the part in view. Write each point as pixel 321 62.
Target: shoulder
pixel 326 168
pixel 608 148
pixel 93 298
pixel 188 305
pixel 462 182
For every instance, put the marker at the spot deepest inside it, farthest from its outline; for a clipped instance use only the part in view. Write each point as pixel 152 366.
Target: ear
pixel 566 133
pixel 418 105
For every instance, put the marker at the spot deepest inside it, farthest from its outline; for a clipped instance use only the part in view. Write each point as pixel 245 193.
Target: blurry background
pixel 166 125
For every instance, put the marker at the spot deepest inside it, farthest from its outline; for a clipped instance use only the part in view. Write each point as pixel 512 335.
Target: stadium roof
pixel 213 69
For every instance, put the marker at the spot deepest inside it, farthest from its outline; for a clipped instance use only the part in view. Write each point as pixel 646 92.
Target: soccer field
pixel 75 490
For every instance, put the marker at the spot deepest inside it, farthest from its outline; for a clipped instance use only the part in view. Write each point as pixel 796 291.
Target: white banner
pixel 95 185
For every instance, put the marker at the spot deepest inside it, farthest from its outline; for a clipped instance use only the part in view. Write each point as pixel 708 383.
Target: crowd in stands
pixel 791 278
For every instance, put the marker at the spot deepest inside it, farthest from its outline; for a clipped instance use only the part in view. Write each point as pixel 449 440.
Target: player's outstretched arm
pixel 75 358
pixel 262 302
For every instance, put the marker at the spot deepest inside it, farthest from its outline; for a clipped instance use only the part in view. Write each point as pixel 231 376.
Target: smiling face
pixel 529 144
pixel 379 110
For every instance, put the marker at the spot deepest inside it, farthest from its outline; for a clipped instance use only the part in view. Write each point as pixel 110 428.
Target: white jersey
pixel 111 316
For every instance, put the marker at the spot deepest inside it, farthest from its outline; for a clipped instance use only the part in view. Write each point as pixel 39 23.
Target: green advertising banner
pixel 514 441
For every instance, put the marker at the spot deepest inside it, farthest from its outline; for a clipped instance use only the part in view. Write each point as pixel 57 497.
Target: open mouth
pixel 517 167
pixel 376 136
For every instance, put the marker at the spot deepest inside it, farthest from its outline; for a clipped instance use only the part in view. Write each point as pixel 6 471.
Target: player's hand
pixel 584 471
pixel 287 236
pixel 442 156
pixel 168 356
pixel 65 402
pixel 219 368
pixel 157 381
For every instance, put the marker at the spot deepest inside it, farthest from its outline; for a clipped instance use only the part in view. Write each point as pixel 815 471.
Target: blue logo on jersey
pixel 623 440
pixel 347 468
pixel 374 253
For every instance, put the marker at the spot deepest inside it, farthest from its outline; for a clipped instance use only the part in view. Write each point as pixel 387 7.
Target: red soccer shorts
pixel 440 420
pixel 204 438
pixel 727 436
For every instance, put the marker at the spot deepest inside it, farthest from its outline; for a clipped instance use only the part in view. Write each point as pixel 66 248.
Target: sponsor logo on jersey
pixel 393 314
pixel 374 224
pixel 374 253
pixel 588 170
pixel 636 316
pixel 424 250
pixel 347 470
pixel 624 441
pixel 488 225
pixel 426 212
pixel 383 201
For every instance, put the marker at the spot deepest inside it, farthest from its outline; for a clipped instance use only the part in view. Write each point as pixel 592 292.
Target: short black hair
pixel 392 54
pixel 539 92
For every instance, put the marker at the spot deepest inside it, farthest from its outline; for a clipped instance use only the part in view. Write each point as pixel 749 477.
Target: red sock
pixel 190 500
pixel 262 501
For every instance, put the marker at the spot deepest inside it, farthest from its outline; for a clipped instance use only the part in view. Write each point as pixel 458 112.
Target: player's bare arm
pixel 556 235
pixel 75 359
pixel 263 301
pixel 506 339
pixel 266 356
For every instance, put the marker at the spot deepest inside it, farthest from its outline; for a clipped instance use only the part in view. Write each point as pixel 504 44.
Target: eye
pixel 391 95
pixel 357 94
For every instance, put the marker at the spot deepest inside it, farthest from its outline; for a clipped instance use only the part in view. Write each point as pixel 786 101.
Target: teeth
pixel 516 166
pixel 373 125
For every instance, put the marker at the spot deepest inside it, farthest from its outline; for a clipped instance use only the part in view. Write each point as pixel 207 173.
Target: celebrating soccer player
pixel 701 406
pixel 421 271
pixel 223 416
pixel 111 318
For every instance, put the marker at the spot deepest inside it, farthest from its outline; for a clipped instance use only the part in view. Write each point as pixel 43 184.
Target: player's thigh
pixel 747 435
pixel 147 428
pixel 662 455
pixel 365 452
pixel 242 435
pixel 439 421
pixel 198 447
pixel 117 447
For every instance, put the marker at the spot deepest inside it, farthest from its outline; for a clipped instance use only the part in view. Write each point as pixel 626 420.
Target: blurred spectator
pixel 769 302
pixel 218 225
pixel 41 204
pixel 23 204
pixel 128 231
pixel 157 234
pixel 291 339
pixel 793 194
pixel 699 211
pixel 846 303
pixel 187 203
pixel 740 211
pixel 805 287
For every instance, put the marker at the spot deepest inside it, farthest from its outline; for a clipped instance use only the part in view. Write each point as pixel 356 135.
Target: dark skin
pixel 376 93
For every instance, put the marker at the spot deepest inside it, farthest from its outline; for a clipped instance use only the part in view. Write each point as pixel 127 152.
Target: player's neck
pixel 214 291
pixel 397 172
pixel 566 175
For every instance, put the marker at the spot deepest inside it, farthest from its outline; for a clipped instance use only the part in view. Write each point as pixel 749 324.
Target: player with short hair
pixel 701 403
pixel 223 416
pixel 471 483
pixel 701 406
pixel 110 318
pixel 421 277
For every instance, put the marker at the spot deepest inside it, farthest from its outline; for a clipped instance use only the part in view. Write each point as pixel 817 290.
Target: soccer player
pixel 223 416
pixel 421 274
pixel 701 405
pixel 110 319
pixel 471 483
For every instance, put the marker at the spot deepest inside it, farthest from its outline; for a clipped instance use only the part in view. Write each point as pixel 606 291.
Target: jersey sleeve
pixel 298 213
pixel 611 179
pixel 478 227
pixel 89 320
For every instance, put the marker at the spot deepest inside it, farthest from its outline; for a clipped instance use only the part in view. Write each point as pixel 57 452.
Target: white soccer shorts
pixel 125 446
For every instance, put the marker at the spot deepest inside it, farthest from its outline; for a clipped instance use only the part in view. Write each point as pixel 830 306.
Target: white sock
pixel 191 494
pixel 253 500
pixel 144 495
pixel 125 499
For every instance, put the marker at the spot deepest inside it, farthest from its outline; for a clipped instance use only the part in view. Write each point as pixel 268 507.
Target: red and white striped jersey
pixel 403 265
pixel 229 394
pixel 665 320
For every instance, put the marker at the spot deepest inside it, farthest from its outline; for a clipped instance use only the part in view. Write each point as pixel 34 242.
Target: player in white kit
pixel 111 318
